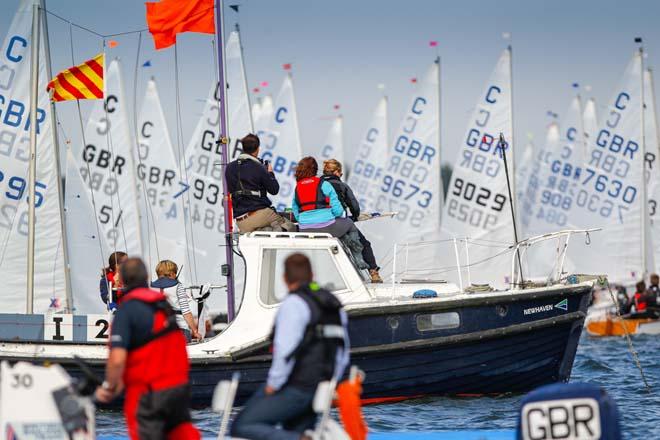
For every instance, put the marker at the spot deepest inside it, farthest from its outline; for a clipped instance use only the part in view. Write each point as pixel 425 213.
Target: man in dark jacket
pixel 332 172
pixel 310 345
pixel 249 181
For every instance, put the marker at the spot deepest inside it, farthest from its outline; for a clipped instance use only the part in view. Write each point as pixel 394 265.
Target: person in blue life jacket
pixel 249 181
pixel 332 173
pixel 168 284
pixel 109 285
pixel 310 345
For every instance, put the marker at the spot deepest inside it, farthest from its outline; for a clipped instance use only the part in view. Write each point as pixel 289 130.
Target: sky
pixel 341 50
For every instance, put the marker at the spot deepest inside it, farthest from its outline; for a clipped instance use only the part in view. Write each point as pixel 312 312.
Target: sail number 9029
pixel 469 191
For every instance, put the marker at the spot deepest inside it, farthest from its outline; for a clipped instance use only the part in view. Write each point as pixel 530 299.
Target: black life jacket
pixel 242 191
pixel 315 356
pixel 309 195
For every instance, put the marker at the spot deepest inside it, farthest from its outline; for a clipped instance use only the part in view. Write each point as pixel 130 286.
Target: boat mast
pixel 439 139
pixel 60 193
pixel 229 250
pixel 32 171
pixel 644 183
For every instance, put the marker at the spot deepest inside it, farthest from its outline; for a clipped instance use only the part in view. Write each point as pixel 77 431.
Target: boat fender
pixel 425 293
pixel 576 410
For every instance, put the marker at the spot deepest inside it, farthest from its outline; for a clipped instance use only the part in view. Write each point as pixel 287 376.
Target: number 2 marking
pixel 103 333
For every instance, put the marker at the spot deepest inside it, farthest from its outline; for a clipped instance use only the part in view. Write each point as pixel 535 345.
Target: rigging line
pixel 631 348
pixel 89 171
pixel 91 31
pixel 111 172
pixel 183 170
pixel 147 203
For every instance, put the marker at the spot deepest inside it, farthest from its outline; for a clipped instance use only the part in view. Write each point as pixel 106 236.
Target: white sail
pixel 238 100
pixel 550 209
pixel 607 192
pixel 256 111
pixel 159 181
pixel 528 203
pixel 523 171
pixel 477 204
pixel 333 147
pixel 652 161
pixel 410 183
pixel 370 159
pixel 204 216
pixel 106 160
pixel 280 143
pixel 49 285
pixel 88 252
pixel 262 122
pixel 590 121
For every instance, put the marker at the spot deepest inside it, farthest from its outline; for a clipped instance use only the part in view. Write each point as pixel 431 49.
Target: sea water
pixel 603 361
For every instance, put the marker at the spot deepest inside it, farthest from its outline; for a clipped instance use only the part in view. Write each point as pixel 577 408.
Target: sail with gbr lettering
pixel 240 114
pixel 107 166
pixel 203 213
pixel 160 187
pixel 652 161
pixel 280 143
pixel 88 252
pixel 333 147
pixel 477 204
pixel 410 183
pixel 608 190
pixel 49 282
pixel 370 159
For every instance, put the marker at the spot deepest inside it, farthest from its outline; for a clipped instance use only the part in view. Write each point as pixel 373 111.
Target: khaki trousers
pixel 265 220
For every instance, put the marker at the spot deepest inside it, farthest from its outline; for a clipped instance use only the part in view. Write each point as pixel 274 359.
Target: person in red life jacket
pixel 148 361
pixel 108 286
pixel 639 298
pixel 310 345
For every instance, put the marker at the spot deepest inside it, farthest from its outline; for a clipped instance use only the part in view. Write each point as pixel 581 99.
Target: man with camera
pixel 250 180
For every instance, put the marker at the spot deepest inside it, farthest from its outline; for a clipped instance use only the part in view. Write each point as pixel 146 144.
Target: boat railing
pixel 562 238
pixel 449 259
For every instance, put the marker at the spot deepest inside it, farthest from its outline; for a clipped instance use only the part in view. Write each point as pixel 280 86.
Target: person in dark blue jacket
pixel 249 181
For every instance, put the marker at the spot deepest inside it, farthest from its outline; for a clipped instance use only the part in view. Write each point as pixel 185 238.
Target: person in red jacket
pixel 110 284
pixel 639 298
pixel 148 361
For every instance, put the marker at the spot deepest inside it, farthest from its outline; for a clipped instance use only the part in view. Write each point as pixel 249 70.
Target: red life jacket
pixel 160 361
pixel 640 302
pixel 309 195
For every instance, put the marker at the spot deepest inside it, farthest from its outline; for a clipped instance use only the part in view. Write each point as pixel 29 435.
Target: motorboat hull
pixel 501 343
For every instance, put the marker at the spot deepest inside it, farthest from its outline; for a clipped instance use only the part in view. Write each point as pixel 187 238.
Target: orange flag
pixel 84 81
pixel 168 18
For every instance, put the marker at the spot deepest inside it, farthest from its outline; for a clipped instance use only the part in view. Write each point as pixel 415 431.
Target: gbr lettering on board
pixel 205 174
pixel 474 202
pixel 602 186
pixel 283 167
pixel 15 138
pixel 406 179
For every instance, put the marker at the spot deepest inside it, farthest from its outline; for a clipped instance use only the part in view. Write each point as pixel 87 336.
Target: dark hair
pixel 654 276
pixel 134 274
pixel 307 167
pixel 298 269
pixel 250 143
pixel 113 261
pixel 641 287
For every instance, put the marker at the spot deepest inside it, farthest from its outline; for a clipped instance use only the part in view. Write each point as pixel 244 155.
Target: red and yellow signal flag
pixel 84 81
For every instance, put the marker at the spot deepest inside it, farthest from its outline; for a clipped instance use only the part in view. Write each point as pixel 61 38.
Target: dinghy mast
pixel 32 173
pixel 228 269
pixel 645 214
pixel 69 308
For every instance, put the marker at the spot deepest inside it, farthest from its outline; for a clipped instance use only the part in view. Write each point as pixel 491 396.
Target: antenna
pixel 502 144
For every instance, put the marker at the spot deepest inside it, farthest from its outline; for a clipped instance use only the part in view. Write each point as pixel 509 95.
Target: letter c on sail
pixel 279 118
pixel 15 57
pixel 489 99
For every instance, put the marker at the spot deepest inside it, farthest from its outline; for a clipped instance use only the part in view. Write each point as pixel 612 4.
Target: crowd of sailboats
pixel 129 187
